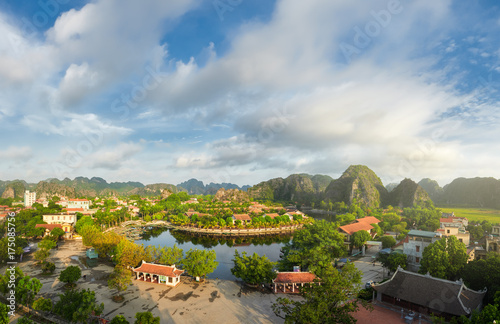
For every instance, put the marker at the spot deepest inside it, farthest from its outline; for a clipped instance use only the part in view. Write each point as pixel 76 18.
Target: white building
pixel 414 246
pixel 79 203
pixel 29 198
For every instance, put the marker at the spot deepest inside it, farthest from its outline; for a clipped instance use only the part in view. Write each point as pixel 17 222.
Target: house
pixel 244 218
pixel 157 273
pixel 272 215
pixel 428 295
pixel 349 230
pixel 495 230
pixel 49 227
pixel 414 246
pixel 460 233
pixel 290 282
pixel 66 220
pixel 78 203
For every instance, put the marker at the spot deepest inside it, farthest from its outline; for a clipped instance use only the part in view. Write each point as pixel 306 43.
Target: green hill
pixel 408 194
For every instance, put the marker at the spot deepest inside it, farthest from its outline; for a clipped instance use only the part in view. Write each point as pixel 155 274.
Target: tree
pixel 128 254
pixel 70 275
pixel 480 274
pixel 146 318
pixel 48 267
pixel 4 314
pixel 328 302
pixel 444 258
pixel 26 289
pixel 25 320
pixel 388 241
pixel 41 255
pixel 172 255
pixel 42 304
pixel 199 263
pixel 395 260
pixel 78 305
pixel 119 319
pixel 57 233
pixel 314 247
pixel 253 269
pixel 119 279
pixel 359 238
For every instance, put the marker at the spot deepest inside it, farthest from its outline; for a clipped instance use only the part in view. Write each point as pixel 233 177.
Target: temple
pixel 157 273
pixel 290 282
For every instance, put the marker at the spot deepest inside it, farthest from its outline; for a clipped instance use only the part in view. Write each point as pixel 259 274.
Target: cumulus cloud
pixel 15 153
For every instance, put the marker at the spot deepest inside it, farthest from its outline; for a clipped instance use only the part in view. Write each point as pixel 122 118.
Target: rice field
pixel 475 214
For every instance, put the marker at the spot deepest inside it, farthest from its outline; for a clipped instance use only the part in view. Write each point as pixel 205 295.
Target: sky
pixel 240 91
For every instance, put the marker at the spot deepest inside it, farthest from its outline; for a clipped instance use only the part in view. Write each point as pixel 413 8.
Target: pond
pixel 269 246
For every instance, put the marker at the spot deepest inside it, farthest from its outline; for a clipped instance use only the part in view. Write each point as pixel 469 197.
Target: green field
pixel 475 214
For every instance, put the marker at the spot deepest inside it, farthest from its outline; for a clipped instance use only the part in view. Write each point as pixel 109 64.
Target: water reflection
pixel 268 245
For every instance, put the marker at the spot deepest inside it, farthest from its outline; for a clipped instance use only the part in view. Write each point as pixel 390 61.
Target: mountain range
pixel 357 184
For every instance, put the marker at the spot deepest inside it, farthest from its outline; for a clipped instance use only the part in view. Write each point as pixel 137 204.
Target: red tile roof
pixel 273 215
pixel 446 220
pixel 294 277
pixel 159 269
pixel 50 227
pixel 242 217
pixel 79 200
pixel 368 220
pixel 356 227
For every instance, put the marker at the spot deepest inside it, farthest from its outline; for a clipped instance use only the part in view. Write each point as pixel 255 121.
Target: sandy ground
pixel 212 301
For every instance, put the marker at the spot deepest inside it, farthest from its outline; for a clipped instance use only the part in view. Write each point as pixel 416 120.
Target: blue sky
pixel 243 91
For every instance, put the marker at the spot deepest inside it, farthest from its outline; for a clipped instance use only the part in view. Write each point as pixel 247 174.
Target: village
pixel 388 255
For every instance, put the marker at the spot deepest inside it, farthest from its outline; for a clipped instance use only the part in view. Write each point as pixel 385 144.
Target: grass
pixel 475 214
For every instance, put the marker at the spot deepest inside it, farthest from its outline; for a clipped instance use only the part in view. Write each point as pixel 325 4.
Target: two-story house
pixel 415 244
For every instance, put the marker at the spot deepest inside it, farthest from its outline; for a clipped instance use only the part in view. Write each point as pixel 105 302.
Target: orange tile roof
pixel 159 269
pixel 50 227
pixel 446 220
pixel 294 277
pixel 244 217
pixel 369 220
pixel 273 216
pixel 356 227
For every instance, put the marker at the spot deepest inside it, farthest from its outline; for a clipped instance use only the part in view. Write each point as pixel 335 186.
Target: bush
pixel 42 304
pixel 48 267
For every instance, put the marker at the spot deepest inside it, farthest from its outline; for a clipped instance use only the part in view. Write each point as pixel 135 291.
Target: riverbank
pixel 212 301
pixel 133 229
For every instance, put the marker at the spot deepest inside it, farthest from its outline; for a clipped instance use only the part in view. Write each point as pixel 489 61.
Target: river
pixel 269 246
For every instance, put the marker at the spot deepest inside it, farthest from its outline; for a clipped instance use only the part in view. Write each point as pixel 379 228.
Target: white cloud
pixel 15 153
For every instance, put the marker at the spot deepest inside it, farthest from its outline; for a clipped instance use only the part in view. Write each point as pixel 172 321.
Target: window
pixel 448 231
pixel 417 260
pixel 418 248
pixel 461 240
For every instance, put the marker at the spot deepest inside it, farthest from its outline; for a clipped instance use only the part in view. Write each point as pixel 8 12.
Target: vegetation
pixel 4 314
pixel 330 302
pixel 42 304
pixel 314 247
pixel 119 319
pixel 387 241
pixel 393 261
pixel 480 274
pixel 253 269
pixel 146 318
pixel 199 263
pixel 444 258
pixel 358 239
pixel 78 305
pixel 120 279
pixel 475 214
pixel 70 275
pixel 25 289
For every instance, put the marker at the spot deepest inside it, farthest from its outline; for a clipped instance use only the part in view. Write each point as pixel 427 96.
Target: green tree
pixel 119 319
pixel 70 275
pixel 444 258
pixel 41 255
pixel 253 269
pixel 42 304
pixel 26 289
pixel 484 273
pixel 199 263
pixel 48 267
pixel 57 233
pixel 25 320
pixel 78 305
pixel 327 302
pixel 4 314
pixel 314 247
pixel 146 318
pixel 388 241
pixel 172 255
pixel 359 238
pixel 396 260
pixel 119 279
